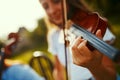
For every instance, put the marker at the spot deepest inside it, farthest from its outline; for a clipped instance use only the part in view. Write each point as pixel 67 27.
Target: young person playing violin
pixel 89 70
pixel 14 69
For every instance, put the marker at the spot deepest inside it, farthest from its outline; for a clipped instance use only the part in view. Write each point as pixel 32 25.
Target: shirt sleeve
pixel 51 44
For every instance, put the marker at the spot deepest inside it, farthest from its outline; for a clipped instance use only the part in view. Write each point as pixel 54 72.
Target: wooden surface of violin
pixel 90 21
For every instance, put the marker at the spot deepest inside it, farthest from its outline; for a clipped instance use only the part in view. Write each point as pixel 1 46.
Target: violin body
pixel 90 21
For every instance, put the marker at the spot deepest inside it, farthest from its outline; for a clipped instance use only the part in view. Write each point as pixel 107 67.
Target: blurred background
pixel 25 17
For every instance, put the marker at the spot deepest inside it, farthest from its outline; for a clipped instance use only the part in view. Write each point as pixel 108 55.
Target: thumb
pixel 99 34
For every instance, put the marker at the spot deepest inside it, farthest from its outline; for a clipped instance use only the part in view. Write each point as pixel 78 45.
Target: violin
pixel 86 24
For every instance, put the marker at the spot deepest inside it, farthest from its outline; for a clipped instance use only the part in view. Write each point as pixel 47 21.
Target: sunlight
pixel 19 13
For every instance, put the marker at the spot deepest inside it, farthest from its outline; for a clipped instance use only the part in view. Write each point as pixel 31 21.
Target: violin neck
pixel 97 43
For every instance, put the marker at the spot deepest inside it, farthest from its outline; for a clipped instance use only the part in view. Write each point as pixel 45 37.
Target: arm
pixel 104 70
pixel 59 70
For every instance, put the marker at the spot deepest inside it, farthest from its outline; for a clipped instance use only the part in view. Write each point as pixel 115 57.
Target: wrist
pixel 95 68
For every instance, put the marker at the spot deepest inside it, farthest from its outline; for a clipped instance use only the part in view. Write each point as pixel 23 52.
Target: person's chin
pixel 60 25
pixel 57 23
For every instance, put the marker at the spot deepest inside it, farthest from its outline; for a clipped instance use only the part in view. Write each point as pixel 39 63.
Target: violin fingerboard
pixel 97 43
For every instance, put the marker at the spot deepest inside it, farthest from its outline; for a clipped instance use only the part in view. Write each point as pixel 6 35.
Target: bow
pixel 64 17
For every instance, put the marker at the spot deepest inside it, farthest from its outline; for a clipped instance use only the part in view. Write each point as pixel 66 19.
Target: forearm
pixel 59 70
pixel 103 73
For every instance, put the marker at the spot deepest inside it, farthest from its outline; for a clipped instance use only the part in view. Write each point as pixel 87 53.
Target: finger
pixel 75 49
pixel 99 34
pixel 77 41
pixel 76 56
pixel 83 49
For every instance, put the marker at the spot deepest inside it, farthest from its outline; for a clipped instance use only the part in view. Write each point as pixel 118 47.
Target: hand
pixel 82 56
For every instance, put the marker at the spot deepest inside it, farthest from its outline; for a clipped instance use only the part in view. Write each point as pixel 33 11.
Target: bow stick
pixel 64 17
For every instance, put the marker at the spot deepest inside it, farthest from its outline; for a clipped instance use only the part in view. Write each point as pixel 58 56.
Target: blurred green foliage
pixel 38 42
pixel 39 36
pixel 108 8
